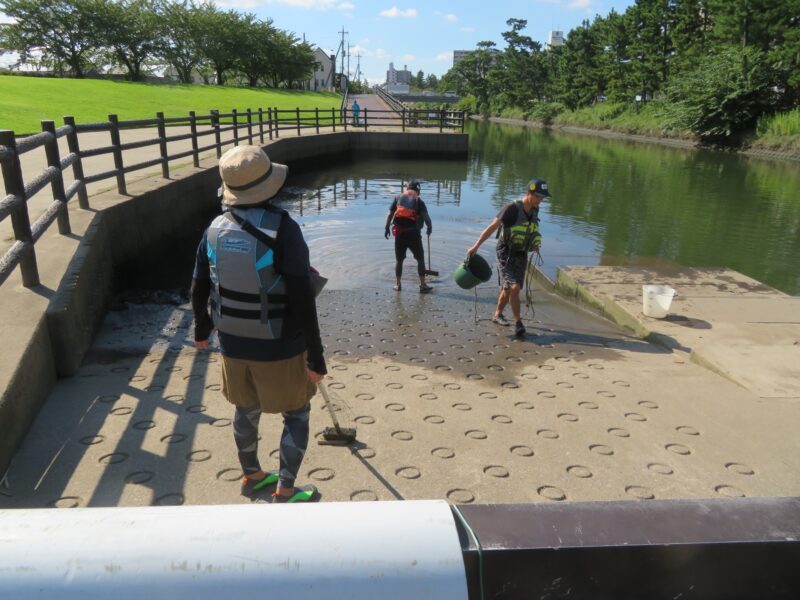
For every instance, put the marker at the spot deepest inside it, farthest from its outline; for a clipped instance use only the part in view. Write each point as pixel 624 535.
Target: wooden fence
pixel 246 126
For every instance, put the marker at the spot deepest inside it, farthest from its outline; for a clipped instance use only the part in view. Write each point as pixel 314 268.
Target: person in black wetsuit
pixel 405 219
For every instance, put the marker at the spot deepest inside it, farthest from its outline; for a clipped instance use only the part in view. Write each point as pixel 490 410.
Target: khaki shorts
pixel 274 386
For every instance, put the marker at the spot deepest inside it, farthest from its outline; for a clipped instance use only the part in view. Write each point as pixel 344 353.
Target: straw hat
pixel 249 176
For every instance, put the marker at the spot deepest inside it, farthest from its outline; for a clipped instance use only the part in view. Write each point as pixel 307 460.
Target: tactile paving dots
pixel 139 477
pixel 445 453
pixel 647 404
pixel 365 452
pixel 730 491
pixel 679 449
pixel 365 420
pixel 460 496
pixel 503 419
pixel 547 434
pixel 568 417
pixel 434 419
pixel 395 407
pixel 687 430
pixel 365 396
pixel 321 474
pixel 66 502
pixel 635 417
pixel 660 468
pixel 588 405
pixel 524 451
pixel 462 406
pixel 174 438
pixel 363 496
pixel 602 449
pixel 408 473
pixel 428 396
pixel 524 405
pixel 403 436
pixel 619 432
pixel 169 500
pixel 107 399
pixel 476 434
pixel 113 458
pixel 640 492
pixel 220 422
pixel 552 493
pixel 91 440
pixel 488 395
pixel 121 411
pixel 496 471
pixel 579 471
pixel 740 469
pixel 198 456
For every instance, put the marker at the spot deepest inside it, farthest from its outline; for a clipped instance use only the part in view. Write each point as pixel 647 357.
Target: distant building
pixel 459 55
pixel 393 76
pixel 322 80
pixel 555 39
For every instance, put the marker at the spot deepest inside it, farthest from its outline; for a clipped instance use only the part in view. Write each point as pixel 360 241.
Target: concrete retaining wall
pixel 51 327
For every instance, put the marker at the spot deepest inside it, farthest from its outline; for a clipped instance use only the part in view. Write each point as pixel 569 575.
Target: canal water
pixel 614 203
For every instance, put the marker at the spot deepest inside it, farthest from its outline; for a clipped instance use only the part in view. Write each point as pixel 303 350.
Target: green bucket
pixel 472 271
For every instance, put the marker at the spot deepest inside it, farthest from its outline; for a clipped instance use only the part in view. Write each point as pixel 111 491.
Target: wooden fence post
pixel 193 127
pixel 297 112
pixel 333 119
pixel 162 144
pixel 20 221
pixel 235 127
pixel 77 166
pixel 269 121
pixel 316 113
pixel 249 127
pixel 404 119
pixel 217 136
pixel 365 120
pixel 57 183
pixel 261 125
pixel 277 122
pixel 441 120
pixel 118 164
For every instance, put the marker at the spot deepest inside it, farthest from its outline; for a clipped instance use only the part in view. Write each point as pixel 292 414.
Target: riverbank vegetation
pixel 25 101
pixel 718 71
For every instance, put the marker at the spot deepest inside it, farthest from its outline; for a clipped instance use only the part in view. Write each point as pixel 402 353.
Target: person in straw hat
pixel 252 270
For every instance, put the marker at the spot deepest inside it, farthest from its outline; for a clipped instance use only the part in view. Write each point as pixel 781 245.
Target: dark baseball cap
pixel 538 186
pixel 413 185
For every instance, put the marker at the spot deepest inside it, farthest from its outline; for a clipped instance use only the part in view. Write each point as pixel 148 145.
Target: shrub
pixel 545 112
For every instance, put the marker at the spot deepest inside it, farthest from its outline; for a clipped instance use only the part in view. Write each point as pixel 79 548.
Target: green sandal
pixel 305 493
pixel 250 487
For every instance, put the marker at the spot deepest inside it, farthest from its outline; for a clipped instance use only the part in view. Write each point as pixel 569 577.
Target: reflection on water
pixel 614 202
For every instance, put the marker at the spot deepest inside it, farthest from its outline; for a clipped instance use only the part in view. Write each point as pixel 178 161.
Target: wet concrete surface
pixel 444 406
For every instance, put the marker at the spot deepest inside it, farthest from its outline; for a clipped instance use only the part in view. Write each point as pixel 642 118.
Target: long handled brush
pixel 336 435
pixel 430 271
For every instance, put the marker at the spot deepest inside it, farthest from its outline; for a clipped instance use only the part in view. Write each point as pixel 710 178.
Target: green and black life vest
pixel 524 234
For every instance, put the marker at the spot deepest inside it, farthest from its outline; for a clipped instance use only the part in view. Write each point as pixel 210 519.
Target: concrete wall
pixel 50 328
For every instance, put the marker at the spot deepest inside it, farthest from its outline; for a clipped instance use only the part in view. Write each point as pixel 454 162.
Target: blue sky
pixel 417 33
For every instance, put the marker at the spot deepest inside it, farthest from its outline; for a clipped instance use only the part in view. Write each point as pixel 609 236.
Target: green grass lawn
pixel 26 101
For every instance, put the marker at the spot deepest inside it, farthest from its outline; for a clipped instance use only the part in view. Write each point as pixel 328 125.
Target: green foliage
pixel 724 95
pixel 781 124
pixel 545 112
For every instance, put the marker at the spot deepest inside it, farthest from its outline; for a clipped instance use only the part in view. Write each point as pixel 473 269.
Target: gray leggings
pixel 294 441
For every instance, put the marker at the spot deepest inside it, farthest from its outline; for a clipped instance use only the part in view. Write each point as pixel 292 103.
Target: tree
pixel 130 30
pixel 651 47
pixel 432 82
pixel 579 68
pixel 64 32
pixel 218 32
pixel 724 95
pixel 180 31
pixel 615 36
pixel 520 71
pixel 474 71
pixel 258 51
pixel 419 80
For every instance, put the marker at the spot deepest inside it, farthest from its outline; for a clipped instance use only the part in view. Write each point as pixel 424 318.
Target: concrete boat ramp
pixel 447 406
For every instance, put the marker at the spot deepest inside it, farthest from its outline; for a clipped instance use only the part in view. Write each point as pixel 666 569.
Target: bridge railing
pixel 222 128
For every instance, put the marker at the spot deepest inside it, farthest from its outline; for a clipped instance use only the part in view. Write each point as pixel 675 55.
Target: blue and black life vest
pixel 248 294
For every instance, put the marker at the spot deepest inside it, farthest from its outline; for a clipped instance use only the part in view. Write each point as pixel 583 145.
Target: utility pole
pixel 348 61
pixel 341 45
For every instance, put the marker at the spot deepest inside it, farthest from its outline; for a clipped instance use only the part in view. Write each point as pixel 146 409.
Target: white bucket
pixel 656 300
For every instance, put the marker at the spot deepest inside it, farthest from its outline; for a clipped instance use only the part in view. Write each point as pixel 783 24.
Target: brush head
pixel 343 437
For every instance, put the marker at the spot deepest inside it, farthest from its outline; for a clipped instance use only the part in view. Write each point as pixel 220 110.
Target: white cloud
pixel 409 57
pixel 451 18
pixel 308 4
pixel 580 4
pixel 396 12
pixel 380 53
pixel 346 6
pixel 468 29
pixel 6 19
pixel 444 56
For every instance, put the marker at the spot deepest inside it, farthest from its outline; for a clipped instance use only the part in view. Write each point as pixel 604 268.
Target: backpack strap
pixel 271 243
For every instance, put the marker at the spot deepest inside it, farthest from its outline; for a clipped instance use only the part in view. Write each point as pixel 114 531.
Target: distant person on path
pixel 406 216
pixel 262 305
pixel 520 235
pixel 356 112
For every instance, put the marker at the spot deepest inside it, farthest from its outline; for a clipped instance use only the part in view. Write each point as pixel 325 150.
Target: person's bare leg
pixel 502 300
pixel 513 299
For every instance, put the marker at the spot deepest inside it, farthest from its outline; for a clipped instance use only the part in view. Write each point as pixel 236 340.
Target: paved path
pixel 378 113
pixel 445 408
pixel 735 325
